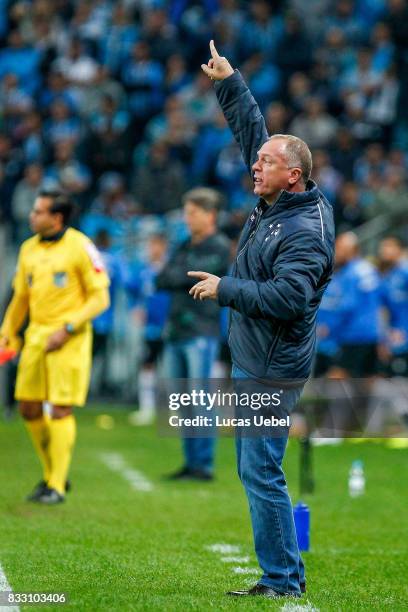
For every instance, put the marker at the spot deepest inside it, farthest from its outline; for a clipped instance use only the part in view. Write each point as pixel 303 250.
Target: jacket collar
pixel 288 200
pixel 54 237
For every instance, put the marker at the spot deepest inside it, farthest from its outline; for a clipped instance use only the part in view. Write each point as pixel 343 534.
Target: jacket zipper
pixel 252 234
pixel 250 239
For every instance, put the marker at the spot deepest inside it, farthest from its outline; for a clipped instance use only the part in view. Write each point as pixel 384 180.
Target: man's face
pixel 42 221
pixel 271 172
pixel 197 219
pixel 346 249
pixel 157 248
pixel 390 251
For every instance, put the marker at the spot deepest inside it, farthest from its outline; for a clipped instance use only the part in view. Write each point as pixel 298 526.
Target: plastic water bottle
pixel 301 514
pixel 356 481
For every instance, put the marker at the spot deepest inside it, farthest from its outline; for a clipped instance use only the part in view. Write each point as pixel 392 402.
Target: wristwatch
pixel 69 328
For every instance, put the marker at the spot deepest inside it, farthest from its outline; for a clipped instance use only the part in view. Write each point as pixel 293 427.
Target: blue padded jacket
pixel 283 265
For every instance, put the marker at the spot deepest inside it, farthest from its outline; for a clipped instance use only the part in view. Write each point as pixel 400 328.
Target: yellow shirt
pixel 58 277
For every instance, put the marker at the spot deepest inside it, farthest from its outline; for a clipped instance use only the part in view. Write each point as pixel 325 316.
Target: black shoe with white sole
pixel 41 487
pixel 262 591
pixel 50 497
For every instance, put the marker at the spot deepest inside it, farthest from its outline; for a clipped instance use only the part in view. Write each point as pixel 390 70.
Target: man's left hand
pixel 207 287
pixel 57 340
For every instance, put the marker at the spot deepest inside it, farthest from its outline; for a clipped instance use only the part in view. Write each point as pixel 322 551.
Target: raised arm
pixel 238 105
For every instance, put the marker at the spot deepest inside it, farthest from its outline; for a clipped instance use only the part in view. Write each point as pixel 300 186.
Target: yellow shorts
pixel 60 377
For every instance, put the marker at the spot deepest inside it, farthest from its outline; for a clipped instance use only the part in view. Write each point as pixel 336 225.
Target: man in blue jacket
pixel 394 296
pixel 283 265
pixel 357 324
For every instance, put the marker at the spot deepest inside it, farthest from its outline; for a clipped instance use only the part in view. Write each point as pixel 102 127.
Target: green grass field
pixel 111 547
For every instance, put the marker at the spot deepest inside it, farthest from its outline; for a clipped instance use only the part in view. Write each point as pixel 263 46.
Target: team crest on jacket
pixel 274 230
pixel 60 279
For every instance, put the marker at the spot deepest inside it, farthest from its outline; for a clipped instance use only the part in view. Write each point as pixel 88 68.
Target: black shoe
pixel 41 487
pixel 50 497
pixel 302 587
pixel 37 491
pixel 181 474
pixel 201 475
pixel 263 591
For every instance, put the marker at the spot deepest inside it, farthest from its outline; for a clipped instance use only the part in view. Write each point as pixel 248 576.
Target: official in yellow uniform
pixel 61 284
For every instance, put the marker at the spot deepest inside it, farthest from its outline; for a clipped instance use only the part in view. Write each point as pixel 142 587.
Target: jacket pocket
pixel 274 344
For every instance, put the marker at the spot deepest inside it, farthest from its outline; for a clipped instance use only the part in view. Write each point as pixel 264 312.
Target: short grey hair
pixel 204 197
pixel 297 154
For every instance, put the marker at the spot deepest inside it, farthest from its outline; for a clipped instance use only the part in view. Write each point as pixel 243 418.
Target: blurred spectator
pixel 113 201
pixel 391 199
pixel 211 142
pixel 67 171
pixel 159 34
pixel 299 91
pixel 328 334
pixel 293 51
pixel 327 177
pixel 109 143
pixel 104 324
pixel 372 162
pixel 30 137
pixel 122 33
pixel 393 266
pixel 152 307
pixel 177 76
pixel 260 32
pixel 315 126
pixel 344 153
pixel 262 77
pixel 198 99
pixel 397 21
pixel 101 87
pixel 22 60
pixel 383 47
pixel 76 65
pixel 14 101
pixel 346 20
pixel 357 323
pixel 23 199
pixel 62 125
pixel 159 183
pixel 276 118
pixel 143 78
pixel 348 212
pixel 10 169
pixel 57 88
pixel 193 328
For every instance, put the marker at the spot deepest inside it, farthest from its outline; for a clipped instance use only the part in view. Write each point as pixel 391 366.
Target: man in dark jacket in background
pixel 192 334
pixel 283 265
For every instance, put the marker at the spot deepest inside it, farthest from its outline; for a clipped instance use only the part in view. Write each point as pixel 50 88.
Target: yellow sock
pixel 62 439
pixel 39 432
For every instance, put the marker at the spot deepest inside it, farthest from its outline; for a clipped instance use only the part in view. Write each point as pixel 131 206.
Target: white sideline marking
pixel 246 570
pixel 136 479
pixel 4 586
pixel 224 549
pixel 294 607
pixel 235 559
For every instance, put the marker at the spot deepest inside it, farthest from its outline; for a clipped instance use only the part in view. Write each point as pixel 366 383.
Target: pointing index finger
pixel 198 274
pixel 213 50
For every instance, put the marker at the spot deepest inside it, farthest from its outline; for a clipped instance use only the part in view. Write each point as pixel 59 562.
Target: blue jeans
pixel 193 359
pixel 259 461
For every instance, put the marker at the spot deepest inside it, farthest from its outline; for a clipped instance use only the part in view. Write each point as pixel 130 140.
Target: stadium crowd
pixel 106 100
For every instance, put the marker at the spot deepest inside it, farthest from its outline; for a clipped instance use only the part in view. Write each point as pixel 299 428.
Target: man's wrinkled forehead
pixel 275 147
